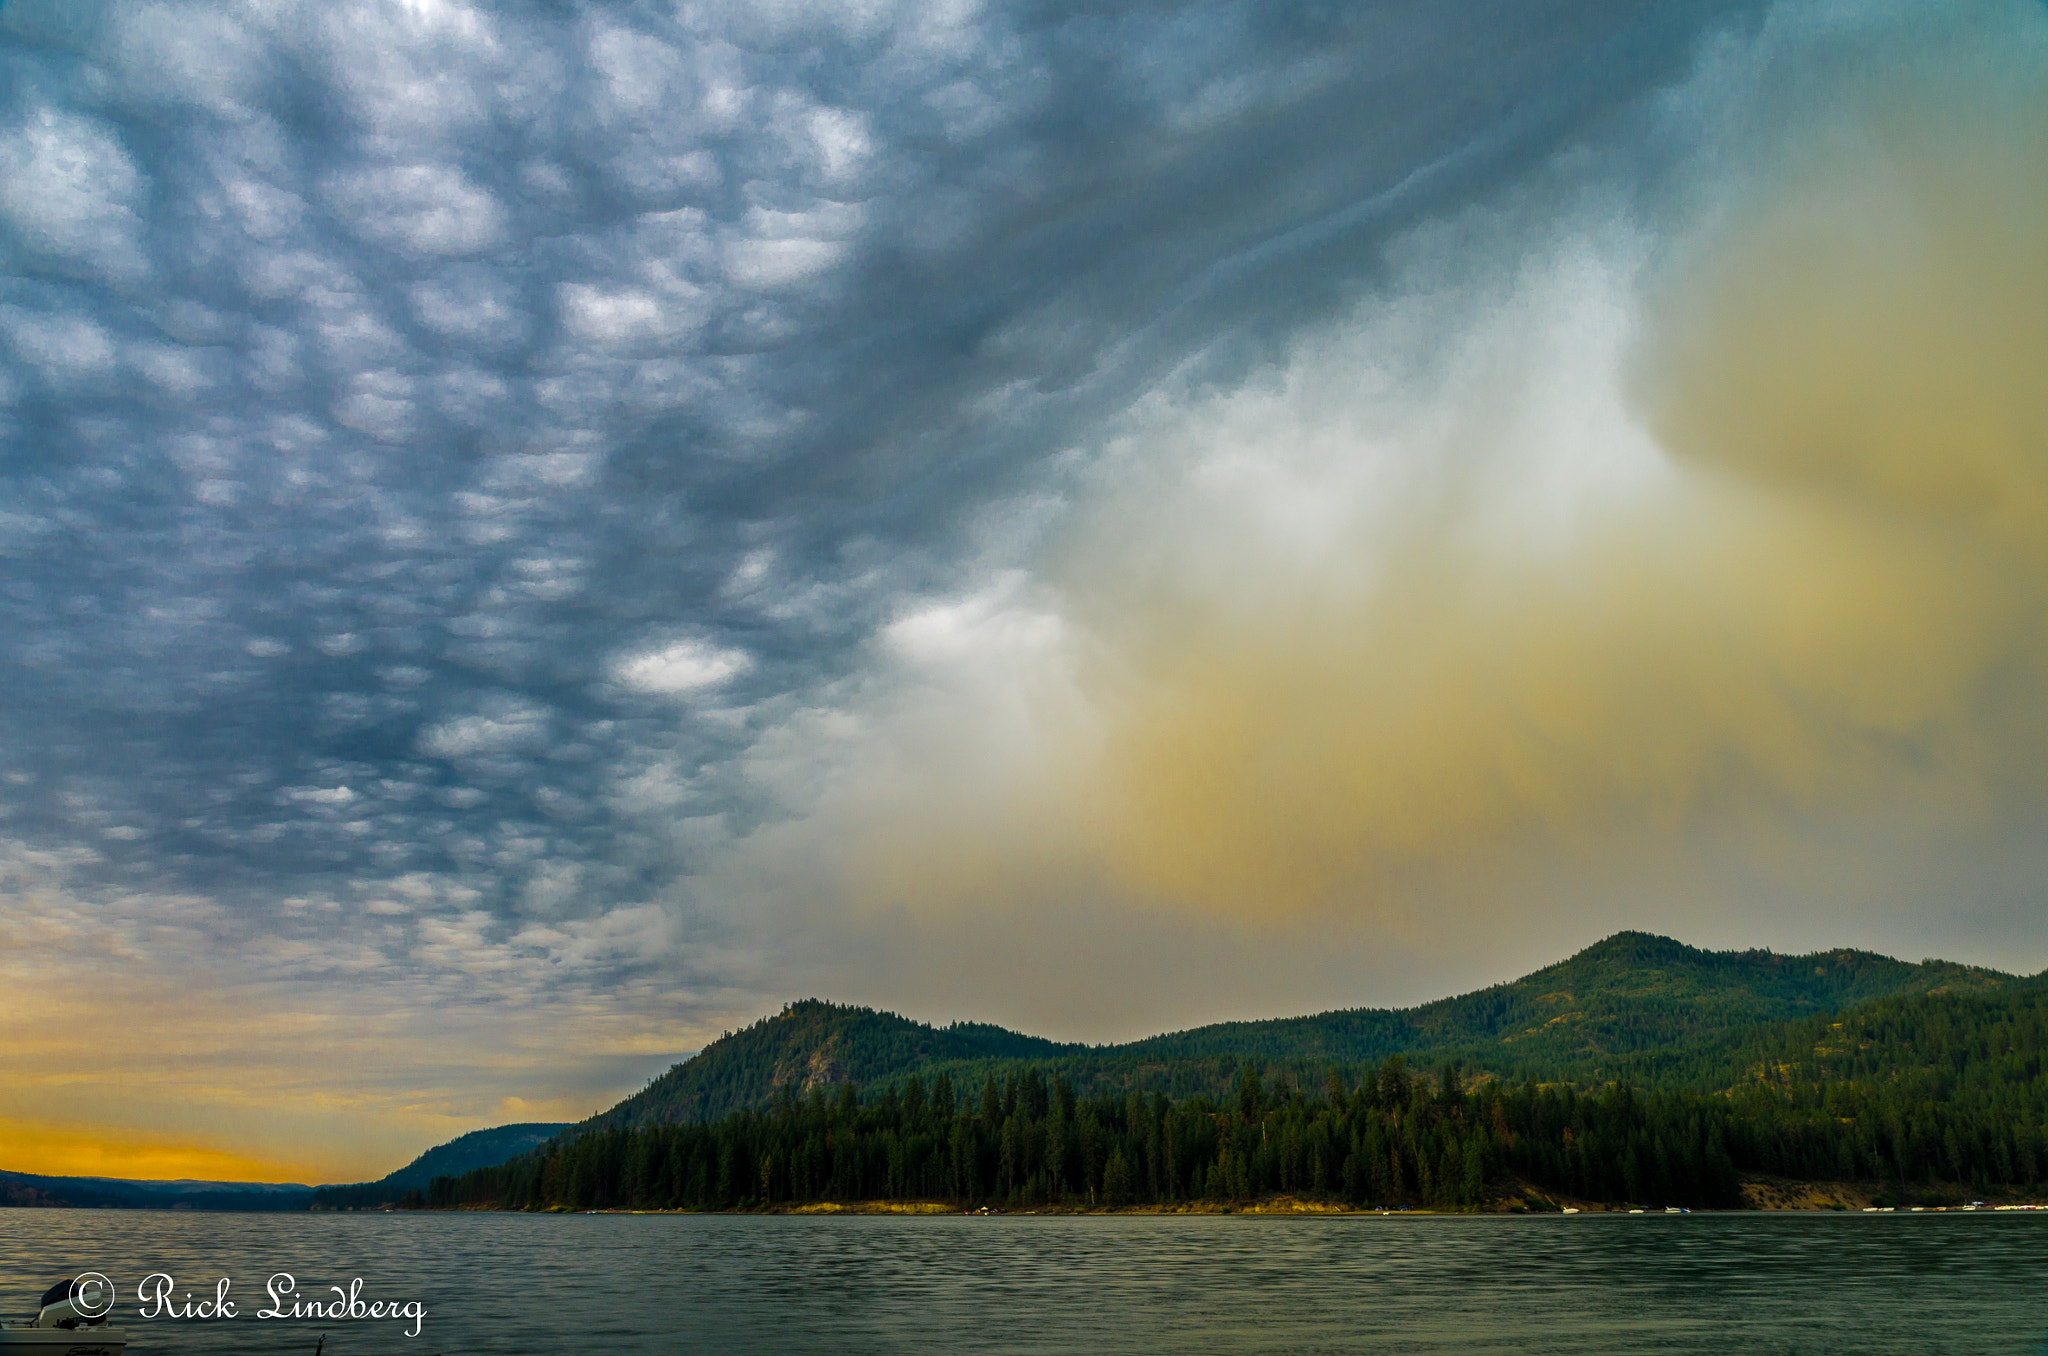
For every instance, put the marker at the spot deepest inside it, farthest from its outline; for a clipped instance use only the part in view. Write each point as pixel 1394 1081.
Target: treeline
pixel 363 1196
pixel 97 1193
pixel 1633 1008
pixel 1921 1090
pixel 1629 994
pixel 1391 1139
pixel 815 1039
pixel 1967 1124
pixel 1933 1097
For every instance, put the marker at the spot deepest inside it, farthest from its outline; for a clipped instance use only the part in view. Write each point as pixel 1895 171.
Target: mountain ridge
pixel 485 1148
pixel 1932 1094
pixel 42 1190
pixel 1625 1004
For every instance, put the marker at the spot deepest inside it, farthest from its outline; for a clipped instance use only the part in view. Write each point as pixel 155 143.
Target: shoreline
pixel 1763 1197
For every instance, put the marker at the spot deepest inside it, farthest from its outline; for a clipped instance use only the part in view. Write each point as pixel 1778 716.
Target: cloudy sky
pixel 532 533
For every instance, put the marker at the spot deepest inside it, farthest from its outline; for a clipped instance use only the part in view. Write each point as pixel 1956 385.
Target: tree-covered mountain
pixel 1632 1006
pixel 464 1153
pixel 1934 1097
pixel 1639 1069
pixel 816 1044
pixel 1631 993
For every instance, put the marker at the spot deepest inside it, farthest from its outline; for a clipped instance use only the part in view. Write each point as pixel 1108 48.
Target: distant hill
pixel 465 1153
pixel 1633 1005
pixel 30 1189
pixel 1928 1099
pixel 477 1149
pixel 1636 1007
pixel 1592 1015
pixel 814 1044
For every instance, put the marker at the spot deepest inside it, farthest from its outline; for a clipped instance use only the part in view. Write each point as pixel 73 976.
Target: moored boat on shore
pixel 70 1321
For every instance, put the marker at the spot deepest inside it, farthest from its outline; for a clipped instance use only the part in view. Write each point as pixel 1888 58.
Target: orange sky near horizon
pixel 58 1149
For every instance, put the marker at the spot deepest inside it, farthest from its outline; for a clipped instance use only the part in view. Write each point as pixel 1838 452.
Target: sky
pixel 532 534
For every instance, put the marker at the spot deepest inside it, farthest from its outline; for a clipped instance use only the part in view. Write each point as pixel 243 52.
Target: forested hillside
pixel 813 1044
pixel 1633 1006
pixel 1631 993
pixel 113 1193
pixel 1932 1097
pixel 464 1153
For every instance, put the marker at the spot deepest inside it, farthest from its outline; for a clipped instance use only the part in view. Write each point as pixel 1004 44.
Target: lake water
pixel 629 1285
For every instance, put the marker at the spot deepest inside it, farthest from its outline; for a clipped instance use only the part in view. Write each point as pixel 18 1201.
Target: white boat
pixel 71 1321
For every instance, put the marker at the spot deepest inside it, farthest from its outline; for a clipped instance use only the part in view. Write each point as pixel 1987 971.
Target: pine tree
pixel 1116 1180
pixel 1251 1094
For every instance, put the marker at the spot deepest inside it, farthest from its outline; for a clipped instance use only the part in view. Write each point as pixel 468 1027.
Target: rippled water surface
pixel 1974 1283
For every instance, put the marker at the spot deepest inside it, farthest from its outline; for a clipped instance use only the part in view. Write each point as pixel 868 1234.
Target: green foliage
pixel 1635 1007
pixel 817 1044
pixel 1928 1094
pixel 1592 1016
pixel 1064 1149
pixel 477 1149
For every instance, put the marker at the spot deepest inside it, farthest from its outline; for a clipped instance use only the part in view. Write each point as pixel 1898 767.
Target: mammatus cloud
pixel 535 534
pixel 686 666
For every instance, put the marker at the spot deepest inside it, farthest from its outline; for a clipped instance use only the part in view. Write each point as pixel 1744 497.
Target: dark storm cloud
pixel 528 533
pixel 436 439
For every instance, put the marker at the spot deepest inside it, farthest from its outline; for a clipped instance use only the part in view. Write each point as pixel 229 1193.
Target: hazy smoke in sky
pixel 545 531
pixel 1616 521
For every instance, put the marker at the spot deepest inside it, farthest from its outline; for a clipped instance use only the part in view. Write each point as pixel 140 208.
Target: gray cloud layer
pixel 1097 518
pixel 438 438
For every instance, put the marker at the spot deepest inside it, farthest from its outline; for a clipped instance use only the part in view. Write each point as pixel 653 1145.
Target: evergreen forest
pixel 1934 1097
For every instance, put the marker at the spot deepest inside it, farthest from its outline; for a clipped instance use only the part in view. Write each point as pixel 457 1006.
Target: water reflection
pixel 656 1284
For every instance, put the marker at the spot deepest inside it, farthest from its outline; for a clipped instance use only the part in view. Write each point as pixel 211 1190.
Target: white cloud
pixel 68 189
pixel 478 308
pixel 265 211
pixel 425 208
pixel 630 317
pixel 640 76
pixel 67 347
pixel 998 627
pixel 838 138
pixel 185 54
pixel 770 264
pixel 377 403
pixel 684 667
pixel 413 70
pixel 173 370
pixel 507 724
pixel 336 796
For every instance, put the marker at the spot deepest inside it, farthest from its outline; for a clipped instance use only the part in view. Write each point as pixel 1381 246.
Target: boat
pixel 71 1320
